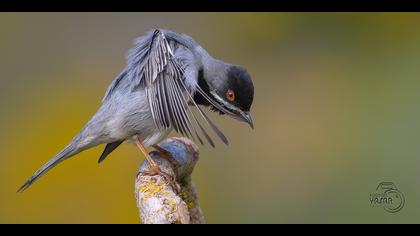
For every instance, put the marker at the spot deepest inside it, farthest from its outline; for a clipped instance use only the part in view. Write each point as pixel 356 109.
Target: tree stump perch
pixel 162 202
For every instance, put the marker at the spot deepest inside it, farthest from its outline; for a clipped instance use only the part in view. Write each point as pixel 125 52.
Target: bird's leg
pixel 166 154
pixel 154 168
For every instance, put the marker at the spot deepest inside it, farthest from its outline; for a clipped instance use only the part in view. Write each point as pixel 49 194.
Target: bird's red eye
pixel 230 95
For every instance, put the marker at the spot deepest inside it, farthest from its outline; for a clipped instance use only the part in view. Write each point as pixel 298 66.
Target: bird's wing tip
pixel 23 187
pixel 26 185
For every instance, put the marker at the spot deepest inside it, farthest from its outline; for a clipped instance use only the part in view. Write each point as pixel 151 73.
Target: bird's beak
pixel 246 117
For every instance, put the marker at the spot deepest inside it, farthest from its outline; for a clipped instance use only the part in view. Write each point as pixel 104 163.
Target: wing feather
pixel 167 94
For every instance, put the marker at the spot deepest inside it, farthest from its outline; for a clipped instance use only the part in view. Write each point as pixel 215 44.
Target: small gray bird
pixel 167 74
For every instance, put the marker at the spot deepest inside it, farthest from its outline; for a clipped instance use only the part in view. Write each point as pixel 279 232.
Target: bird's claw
pixel 155 170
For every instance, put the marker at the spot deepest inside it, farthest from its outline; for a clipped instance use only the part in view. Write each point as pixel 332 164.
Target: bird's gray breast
pixel 128 114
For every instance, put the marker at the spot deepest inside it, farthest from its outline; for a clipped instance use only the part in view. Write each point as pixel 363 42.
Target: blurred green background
pixel 336 112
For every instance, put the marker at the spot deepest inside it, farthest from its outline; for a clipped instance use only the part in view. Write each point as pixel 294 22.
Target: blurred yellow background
pixel 336 111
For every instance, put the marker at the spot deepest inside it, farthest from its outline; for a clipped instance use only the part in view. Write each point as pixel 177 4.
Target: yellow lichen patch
pixel 190 203
pixel 153 188
pixel 189 200
pixel 171 204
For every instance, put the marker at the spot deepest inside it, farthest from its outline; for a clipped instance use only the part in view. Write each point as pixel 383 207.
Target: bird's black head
pixel 233 91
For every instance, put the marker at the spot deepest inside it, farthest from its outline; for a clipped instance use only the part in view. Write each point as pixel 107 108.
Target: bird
pixel 167 81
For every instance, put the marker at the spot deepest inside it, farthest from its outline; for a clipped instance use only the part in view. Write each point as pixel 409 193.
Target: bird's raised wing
pixel 163 77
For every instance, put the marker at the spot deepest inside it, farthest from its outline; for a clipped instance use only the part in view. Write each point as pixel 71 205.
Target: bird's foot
pixel 155 170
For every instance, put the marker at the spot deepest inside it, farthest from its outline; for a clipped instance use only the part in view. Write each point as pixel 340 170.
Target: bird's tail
pixel 77 145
